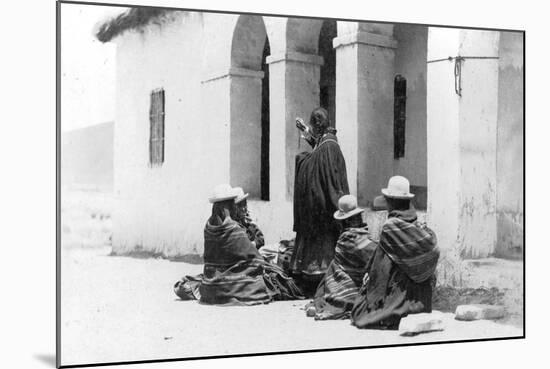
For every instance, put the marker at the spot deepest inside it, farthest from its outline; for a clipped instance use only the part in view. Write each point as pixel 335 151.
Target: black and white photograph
pixel 281 184
pixel 213 184
pixel 238 183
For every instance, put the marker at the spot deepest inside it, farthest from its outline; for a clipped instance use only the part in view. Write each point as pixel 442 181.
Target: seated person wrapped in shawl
pixel 253 232
pixel 339 287
pixel 401 272
pixel 234 272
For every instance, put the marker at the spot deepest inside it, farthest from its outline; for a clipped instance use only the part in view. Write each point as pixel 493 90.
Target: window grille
pixel 399 116
pixel 156 129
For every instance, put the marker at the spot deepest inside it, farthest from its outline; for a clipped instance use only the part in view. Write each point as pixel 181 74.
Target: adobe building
pixel 207 98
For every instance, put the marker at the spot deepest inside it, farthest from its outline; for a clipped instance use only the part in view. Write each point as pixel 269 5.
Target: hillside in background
pixel 87 157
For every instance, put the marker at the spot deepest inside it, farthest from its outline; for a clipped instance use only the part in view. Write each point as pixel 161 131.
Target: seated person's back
pixel 401 272
pixel 339 287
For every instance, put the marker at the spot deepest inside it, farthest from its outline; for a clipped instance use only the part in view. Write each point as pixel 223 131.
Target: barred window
pixel 399 116
pixel 156 129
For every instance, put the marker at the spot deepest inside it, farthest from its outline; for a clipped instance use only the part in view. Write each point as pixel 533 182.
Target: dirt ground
pixel 116 308
pixel 119 308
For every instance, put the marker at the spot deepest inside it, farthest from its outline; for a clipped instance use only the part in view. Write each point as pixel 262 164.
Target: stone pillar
pixel 462 140
pixel 237 135
pixel 364 104
pixel 246 129
pixel 293 92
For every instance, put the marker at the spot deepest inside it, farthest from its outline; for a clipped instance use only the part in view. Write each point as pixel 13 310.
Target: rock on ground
pixel 421 323
pixel 479 311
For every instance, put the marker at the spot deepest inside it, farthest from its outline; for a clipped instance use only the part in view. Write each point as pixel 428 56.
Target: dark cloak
pixel 340 285
pixel 320 180
pixel 234 271
pixel 400 274
pixel 253 232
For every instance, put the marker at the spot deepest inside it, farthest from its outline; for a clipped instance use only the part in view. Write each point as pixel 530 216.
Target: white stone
pixel 311 311
pixel 421 323
pixel 479 311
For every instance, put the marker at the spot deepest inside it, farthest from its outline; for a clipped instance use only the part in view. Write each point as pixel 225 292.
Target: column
pixel 442 110
pixel 462 140
pixel 234 125
pixel 294 92
pixel 364 104
pixel 246 129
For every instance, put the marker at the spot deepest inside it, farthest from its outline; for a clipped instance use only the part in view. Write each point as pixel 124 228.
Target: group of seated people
pixel 235 273
pixel 372 283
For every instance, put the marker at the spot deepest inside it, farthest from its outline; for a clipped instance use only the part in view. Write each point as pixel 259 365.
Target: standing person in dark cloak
pixel 234 271
pixel 340 285
pixel 401 272
pixel 320 180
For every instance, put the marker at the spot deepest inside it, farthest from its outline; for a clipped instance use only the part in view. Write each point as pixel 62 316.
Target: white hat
pixel 398 188
pixel 222 192
pixel 347 207
pixel 240 194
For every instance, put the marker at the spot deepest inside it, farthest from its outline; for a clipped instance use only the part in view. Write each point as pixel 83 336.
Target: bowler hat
pixel 240 194
pixel 347 207
pixel 398 188
pixel 379 203
pixel 222 192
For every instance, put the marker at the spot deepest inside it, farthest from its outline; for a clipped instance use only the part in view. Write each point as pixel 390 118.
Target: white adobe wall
pixel 443 130
pixel 161 208
pixel 462 136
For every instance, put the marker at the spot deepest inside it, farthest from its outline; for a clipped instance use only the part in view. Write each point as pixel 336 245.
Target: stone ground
pixel 119 308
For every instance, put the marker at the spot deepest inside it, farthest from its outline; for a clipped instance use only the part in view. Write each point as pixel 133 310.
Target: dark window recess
pixel 327 76
pixel 156 128
pixel 264 164
pixel 399 116
pixel 323 97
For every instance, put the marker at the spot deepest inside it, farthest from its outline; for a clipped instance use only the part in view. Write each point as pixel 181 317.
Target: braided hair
pixel 321 121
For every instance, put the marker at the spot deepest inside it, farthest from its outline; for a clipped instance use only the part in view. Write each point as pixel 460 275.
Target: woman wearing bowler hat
pixel 401 271
pixel 234 272
pixel 340 285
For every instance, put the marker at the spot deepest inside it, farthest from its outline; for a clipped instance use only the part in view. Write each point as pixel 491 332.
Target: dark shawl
pixel 234 271
pixel 253 232
pixel 400 274
pixel 320 180
pixel 340 286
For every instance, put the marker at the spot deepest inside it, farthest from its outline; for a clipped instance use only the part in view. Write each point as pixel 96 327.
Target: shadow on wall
pixel 509 235
pixel 420 200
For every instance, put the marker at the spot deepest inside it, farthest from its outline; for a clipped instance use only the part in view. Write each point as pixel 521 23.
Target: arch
pixel 247 44
pixel 302 35
pixel 249 116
